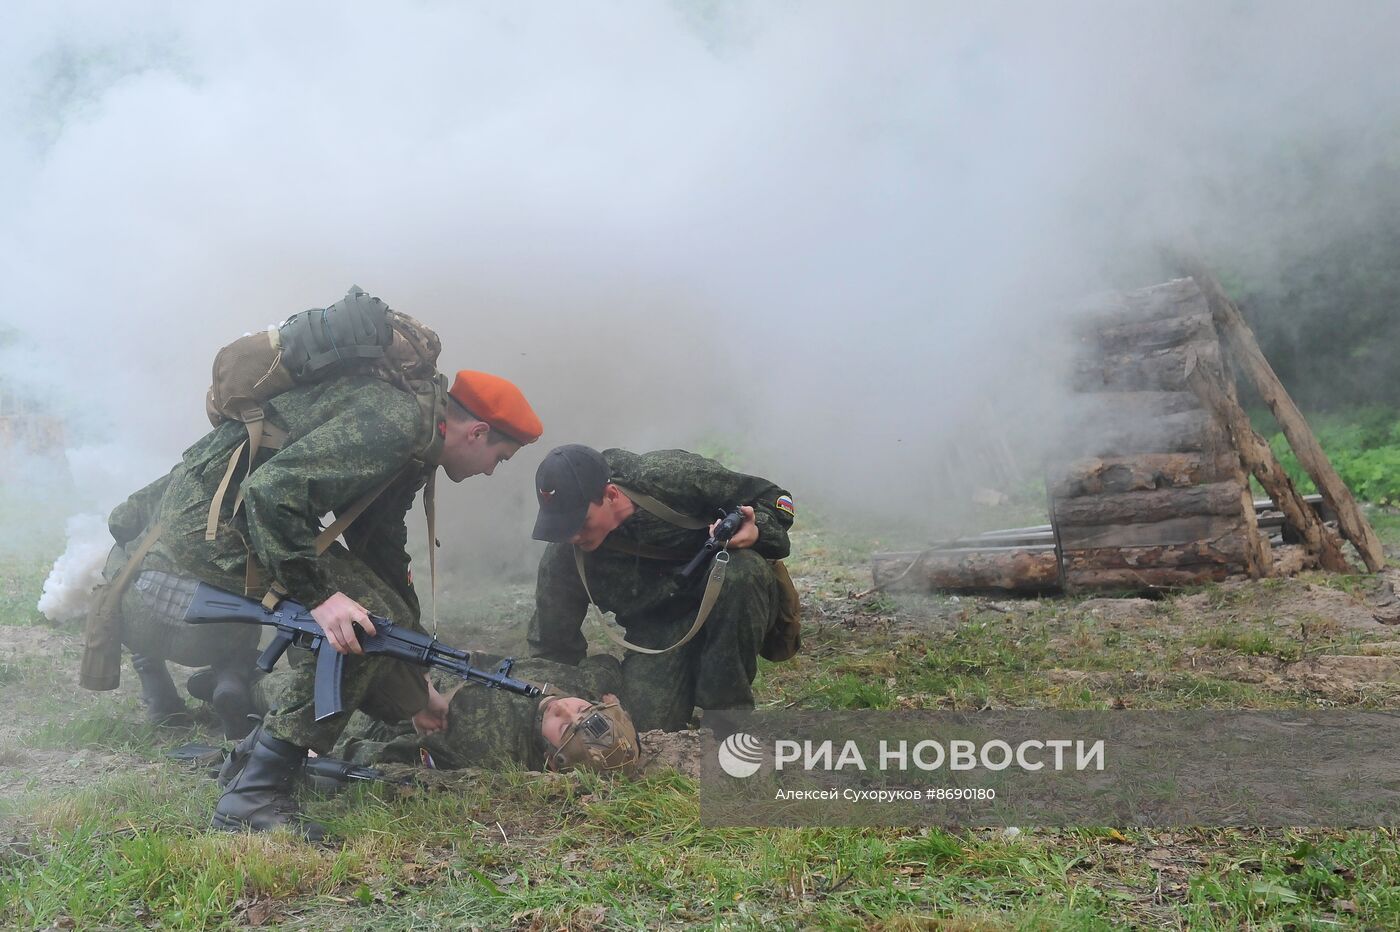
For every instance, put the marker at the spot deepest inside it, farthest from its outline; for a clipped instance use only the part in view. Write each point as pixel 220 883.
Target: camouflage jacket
pixel 485 727
pixel 633 586
pixel 346 436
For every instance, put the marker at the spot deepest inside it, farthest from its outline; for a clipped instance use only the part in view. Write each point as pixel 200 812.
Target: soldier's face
pixel 603 518
pixel 559 715
pixel 468 451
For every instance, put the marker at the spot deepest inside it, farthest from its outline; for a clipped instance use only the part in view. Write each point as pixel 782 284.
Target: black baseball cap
pixel 570 478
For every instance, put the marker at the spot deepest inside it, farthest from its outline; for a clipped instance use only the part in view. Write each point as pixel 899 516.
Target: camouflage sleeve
pixel 325 470
pixel 399 693
pixel 130 519
pixel 699 486
pixel 379 537
pixel 560 607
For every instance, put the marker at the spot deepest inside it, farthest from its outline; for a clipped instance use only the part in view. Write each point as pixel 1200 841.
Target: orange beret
pixel 497 402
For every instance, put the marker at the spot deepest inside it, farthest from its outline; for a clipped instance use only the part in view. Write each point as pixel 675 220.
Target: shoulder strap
pixel 707 602
pixel 262 435
pixel 663 511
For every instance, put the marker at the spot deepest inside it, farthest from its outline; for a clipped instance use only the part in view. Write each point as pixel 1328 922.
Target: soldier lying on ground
pixel 578 723
pixel 620 526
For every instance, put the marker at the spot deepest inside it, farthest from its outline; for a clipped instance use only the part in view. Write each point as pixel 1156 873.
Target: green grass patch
pixel 104 731
pixel 21 583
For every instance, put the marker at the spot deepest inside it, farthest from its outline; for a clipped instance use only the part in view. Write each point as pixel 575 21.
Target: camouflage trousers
pixel 716 669
pixel 383 688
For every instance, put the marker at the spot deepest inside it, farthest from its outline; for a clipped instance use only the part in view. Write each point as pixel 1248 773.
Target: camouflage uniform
pixel 346 436
pixel 654 605
pixel 485 727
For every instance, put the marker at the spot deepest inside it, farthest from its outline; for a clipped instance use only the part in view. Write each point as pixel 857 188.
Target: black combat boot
pixel 258 798
pixel 239 755
pixel 163 704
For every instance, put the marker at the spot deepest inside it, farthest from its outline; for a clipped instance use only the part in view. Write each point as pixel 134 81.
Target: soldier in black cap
pixel 620 526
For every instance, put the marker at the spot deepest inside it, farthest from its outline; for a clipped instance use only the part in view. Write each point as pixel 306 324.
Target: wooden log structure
pixel 1154 493
pixel 1245 351
pixel 1151 486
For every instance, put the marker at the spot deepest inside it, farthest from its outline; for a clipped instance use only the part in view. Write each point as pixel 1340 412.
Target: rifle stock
pixel 295 626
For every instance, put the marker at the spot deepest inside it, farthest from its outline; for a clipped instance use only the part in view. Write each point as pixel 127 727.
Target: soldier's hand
pixel 338 616
pixel 747 535
pixel 433 717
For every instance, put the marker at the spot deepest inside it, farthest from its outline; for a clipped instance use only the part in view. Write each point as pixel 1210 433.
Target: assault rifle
pixel 294 625
pixel 731 519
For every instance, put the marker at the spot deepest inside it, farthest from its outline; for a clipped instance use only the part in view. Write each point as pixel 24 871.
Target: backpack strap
pixel 707 602
pixel 262 435
pixel 430 517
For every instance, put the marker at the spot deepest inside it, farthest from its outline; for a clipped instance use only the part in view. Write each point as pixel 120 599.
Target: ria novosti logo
pixel 740 755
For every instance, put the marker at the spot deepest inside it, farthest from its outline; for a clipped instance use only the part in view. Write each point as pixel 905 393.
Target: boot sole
pixel 223 823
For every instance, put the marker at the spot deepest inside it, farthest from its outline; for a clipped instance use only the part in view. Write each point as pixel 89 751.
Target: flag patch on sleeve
pixel 784 503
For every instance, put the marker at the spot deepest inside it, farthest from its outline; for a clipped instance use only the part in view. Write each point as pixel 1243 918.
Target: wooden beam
pixel 1216 498
pixel 1095 475
pixel 1173 531
pixel 1255 452
pixel 1244 348
pixel 1010 569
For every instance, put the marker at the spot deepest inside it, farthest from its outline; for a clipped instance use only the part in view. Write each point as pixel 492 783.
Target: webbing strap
pixel 255 442
pixel 211 527
pixel 430 517
pixel 343 521
pixel 707 602
pixel 133 562
pixel 102 648
pixel 663 511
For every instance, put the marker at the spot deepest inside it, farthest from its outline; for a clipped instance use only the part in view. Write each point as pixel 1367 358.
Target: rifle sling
pixel 668 514
pixel 707 602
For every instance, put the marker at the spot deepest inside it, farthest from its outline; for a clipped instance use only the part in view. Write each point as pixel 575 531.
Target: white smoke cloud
pixel 833 233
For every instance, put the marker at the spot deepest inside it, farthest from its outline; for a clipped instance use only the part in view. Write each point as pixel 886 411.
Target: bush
pixel 1364 446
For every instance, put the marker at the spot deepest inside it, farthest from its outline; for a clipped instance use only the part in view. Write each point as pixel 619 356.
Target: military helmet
pixel 602 739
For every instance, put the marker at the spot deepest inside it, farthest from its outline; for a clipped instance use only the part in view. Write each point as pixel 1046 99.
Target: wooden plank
pixel 1216 498
pixel 1150 534
pixel 1244 349
pixel 1317 537
pixel 1095 475
pixel 1259 561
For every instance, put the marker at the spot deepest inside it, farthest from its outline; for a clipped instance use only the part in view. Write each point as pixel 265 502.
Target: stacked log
pixel 1154 493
